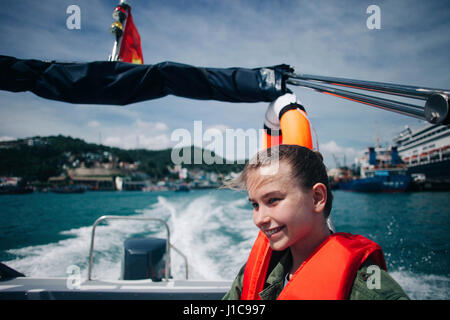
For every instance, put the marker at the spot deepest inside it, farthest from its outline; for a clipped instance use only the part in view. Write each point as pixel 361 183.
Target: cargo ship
pixel 381 170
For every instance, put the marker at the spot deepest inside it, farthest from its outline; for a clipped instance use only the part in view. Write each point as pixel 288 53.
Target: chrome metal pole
pixel 119 33
pixel 387 104
pixel 380 87
pixel 185 261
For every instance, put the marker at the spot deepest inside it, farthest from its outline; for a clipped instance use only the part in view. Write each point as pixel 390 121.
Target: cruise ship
pixel 426 151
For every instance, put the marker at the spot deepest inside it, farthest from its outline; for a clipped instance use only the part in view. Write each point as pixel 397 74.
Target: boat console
pixel 145 275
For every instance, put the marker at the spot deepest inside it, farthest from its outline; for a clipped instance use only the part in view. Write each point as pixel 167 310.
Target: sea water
pixel 42 234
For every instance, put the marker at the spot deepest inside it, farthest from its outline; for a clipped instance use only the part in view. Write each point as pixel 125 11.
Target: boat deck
pixel 58 289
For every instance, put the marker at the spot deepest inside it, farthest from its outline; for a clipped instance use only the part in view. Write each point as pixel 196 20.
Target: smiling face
pixel 282 209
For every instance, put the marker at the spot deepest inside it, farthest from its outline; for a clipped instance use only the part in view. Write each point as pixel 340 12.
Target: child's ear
pixel 319 193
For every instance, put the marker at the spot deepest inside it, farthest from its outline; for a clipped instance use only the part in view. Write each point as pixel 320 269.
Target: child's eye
pixel 255 205
pixel 273 200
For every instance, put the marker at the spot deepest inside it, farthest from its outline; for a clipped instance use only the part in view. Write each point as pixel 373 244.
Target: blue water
pixel 41 234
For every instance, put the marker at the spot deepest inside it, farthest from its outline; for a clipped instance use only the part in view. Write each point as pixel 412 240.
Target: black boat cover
pixel 119 83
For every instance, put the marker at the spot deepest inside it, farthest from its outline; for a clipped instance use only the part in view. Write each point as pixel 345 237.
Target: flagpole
pixel 120 16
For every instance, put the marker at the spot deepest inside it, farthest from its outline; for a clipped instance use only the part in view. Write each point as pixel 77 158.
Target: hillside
pixel 38 158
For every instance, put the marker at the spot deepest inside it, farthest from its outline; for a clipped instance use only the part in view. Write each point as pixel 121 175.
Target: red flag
pixel 130 48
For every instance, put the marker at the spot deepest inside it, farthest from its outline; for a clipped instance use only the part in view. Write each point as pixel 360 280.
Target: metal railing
pixel 168 244
pixel 185 260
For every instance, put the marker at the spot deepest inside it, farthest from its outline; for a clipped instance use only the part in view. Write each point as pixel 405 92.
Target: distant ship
pixel 15 190
pixel 182 188
pixel 381 170
pixel 69 189
pixel 426 151
pixel 12 185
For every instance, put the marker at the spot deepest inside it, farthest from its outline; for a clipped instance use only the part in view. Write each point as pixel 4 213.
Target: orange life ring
pixel 287 123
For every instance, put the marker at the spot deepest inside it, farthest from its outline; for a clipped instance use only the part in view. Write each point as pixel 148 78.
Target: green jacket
pixel 361 289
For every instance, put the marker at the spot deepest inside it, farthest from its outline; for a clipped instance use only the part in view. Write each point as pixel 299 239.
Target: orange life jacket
pixel 327 274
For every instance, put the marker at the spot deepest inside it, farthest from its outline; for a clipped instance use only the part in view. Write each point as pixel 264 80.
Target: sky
pixel 324 37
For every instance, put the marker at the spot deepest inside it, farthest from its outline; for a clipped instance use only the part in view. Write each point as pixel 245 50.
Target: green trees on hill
pixel 31 163
pixel 38 158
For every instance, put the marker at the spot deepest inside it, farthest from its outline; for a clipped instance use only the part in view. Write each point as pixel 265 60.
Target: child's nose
pixel 261 217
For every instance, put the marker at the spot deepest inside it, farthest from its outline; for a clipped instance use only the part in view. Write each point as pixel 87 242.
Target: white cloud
pixel 140 141
pixel 331 147
pixel 141 134
pixel 6 138
pixel 113 142
pixel 93 124
pixel 161 141
pixel 220 127
pixel 150 126
pixel 336 155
